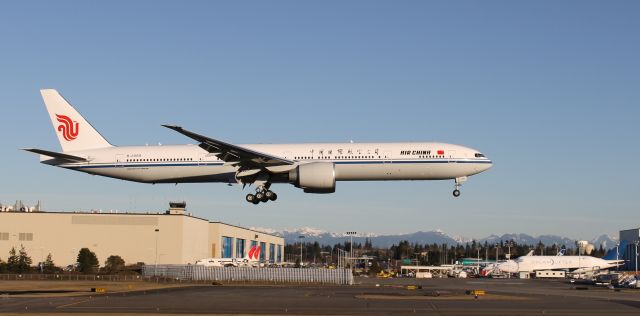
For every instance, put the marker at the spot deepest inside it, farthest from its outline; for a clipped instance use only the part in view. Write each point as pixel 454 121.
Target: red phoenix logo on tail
pixel 254 252
pixel 69 131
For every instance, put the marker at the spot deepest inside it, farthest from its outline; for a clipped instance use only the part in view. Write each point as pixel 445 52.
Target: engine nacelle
pixel 314 177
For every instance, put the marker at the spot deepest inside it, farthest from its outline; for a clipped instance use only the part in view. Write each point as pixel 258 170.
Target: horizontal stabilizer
pixel 56 155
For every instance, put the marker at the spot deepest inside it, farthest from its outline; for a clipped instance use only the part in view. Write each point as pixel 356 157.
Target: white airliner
pixel 313 167
pixel 574 264
pixel 252 259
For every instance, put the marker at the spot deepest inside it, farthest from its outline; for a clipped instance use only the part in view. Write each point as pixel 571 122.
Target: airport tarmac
pixel 370 296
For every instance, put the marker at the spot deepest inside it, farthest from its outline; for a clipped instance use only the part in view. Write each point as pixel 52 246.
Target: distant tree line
pixel 426 254
pixel 87 262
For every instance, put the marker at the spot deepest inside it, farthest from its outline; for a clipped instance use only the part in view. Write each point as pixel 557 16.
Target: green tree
pixel 12 261
pixel 113 264
pixel 87 261
pixel 49 266
pixel 24 261
pixel 3 266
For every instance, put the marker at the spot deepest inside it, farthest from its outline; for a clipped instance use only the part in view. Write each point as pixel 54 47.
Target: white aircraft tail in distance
pixel 251 259
pixel 313 167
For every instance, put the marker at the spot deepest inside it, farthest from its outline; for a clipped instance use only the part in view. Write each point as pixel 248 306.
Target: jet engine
pixel 314 177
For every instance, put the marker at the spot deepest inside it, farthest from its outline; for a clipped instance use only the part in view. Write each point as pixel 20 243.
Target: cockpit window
pixel 479 155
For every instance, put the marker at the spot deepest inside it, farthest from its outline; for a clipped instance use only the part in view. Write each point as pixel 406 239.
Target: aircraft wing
pixel 54 154
pixel 233 154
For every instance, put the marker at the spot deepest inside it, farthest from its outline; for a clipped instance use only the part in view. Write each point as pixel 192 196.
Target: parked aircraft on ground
pixel 574 264
pixel 313 167
pixel 251 259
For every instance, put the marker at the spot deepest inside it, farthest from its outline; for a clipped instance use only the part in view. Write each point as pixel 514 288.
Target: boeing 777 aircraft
pixel 313 167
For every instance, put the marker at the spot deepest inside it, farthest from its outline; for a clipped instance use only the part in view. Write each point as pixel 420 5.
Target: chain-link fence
pixel 71 277
pixel 264 275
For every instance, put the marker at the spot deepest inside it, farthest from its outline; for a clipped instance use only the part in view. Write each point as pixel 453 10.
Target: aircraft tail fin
pixel 616 253
pixel 73 131
pixel 253 254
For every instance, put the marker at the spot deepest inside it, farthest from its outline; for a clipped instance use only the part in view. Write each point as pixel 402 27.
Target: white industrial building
pixel 173 237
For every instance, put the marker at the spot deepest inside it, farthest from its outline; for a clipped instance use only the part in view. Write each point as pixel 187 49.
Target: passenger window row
pixel 338 157
pixel 159 159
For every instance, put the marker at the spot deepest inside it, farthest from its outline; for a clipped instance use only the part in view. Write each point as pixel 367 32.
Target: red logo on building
pixel 69 131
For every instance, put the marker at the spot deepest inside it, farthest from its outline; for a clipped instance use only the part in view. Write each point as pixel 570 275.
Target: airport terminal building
pixel 172 237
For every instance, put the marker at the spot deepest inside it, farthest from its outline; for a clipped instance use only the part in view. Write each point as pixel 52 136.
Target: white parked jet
pixel 313 167
pixel 574 264
pixel 252 259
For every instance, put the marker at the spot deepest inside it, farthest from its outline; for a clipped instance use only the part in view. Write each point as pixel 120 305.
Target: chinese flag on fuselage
pixel 440 152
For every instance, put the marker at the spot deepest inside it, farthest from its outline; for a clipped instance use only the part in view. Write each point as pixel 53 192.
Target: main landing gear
pixel 262 195
pixel 459 181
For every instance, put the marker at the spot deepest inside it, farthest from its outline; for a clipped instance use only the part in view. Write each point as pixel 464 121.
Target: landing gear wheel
pixel 456 193
pixel 260 196
pixel 270 195
pixel 251 198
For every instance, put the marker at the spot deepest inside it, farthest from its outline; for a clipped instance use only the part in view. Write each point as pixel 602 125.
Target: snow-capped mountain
pixel 606 241
pixel 530 240
pixel 425 237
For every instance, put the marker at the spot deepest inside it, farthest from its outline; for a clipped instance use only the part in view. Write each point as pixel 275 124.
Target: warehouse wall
pixel 179 239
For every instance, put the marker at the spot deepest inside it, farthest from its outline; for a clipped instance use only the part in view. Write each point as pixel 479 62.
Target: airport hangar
pixel 172 237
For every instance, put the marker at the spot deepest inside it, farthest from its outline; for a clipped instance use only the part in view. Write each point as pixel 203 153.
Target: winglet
pixel 173 127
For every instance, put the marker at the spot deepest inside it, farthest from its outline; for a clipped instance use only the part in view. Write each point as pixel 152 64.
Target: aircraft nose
pixel 484 166
pixel 489 165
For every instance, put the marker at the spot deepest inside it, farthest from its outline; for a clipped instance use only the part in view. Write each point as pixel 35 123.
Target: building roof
pixel 253 230
pixel 140 214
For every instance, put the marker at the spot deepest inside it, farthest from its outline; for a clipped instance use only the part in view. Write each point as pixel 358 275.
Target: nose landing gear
pixel 459 181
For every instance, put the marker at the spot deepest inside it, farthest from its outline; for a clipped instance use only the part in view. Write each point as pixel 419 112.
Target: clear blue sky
pixel 548 89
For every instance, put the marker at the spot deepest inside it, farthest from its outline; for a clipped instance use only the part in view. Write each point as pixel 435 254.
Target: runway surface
pixel 369 297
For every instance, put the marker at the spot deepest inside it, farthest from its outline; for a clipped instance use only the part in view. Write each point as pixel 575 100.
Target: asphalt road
pixel 369 297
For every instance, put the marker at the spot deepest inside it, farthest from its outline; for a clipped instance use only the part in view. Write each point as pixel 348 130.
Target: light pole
pixel 617 264
pixel 301 237
pixel 478 262
pixel 509 248
pixel 636 260
pixel 497 253
pixel 156 264
pixel 579 260
pixel 350 234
